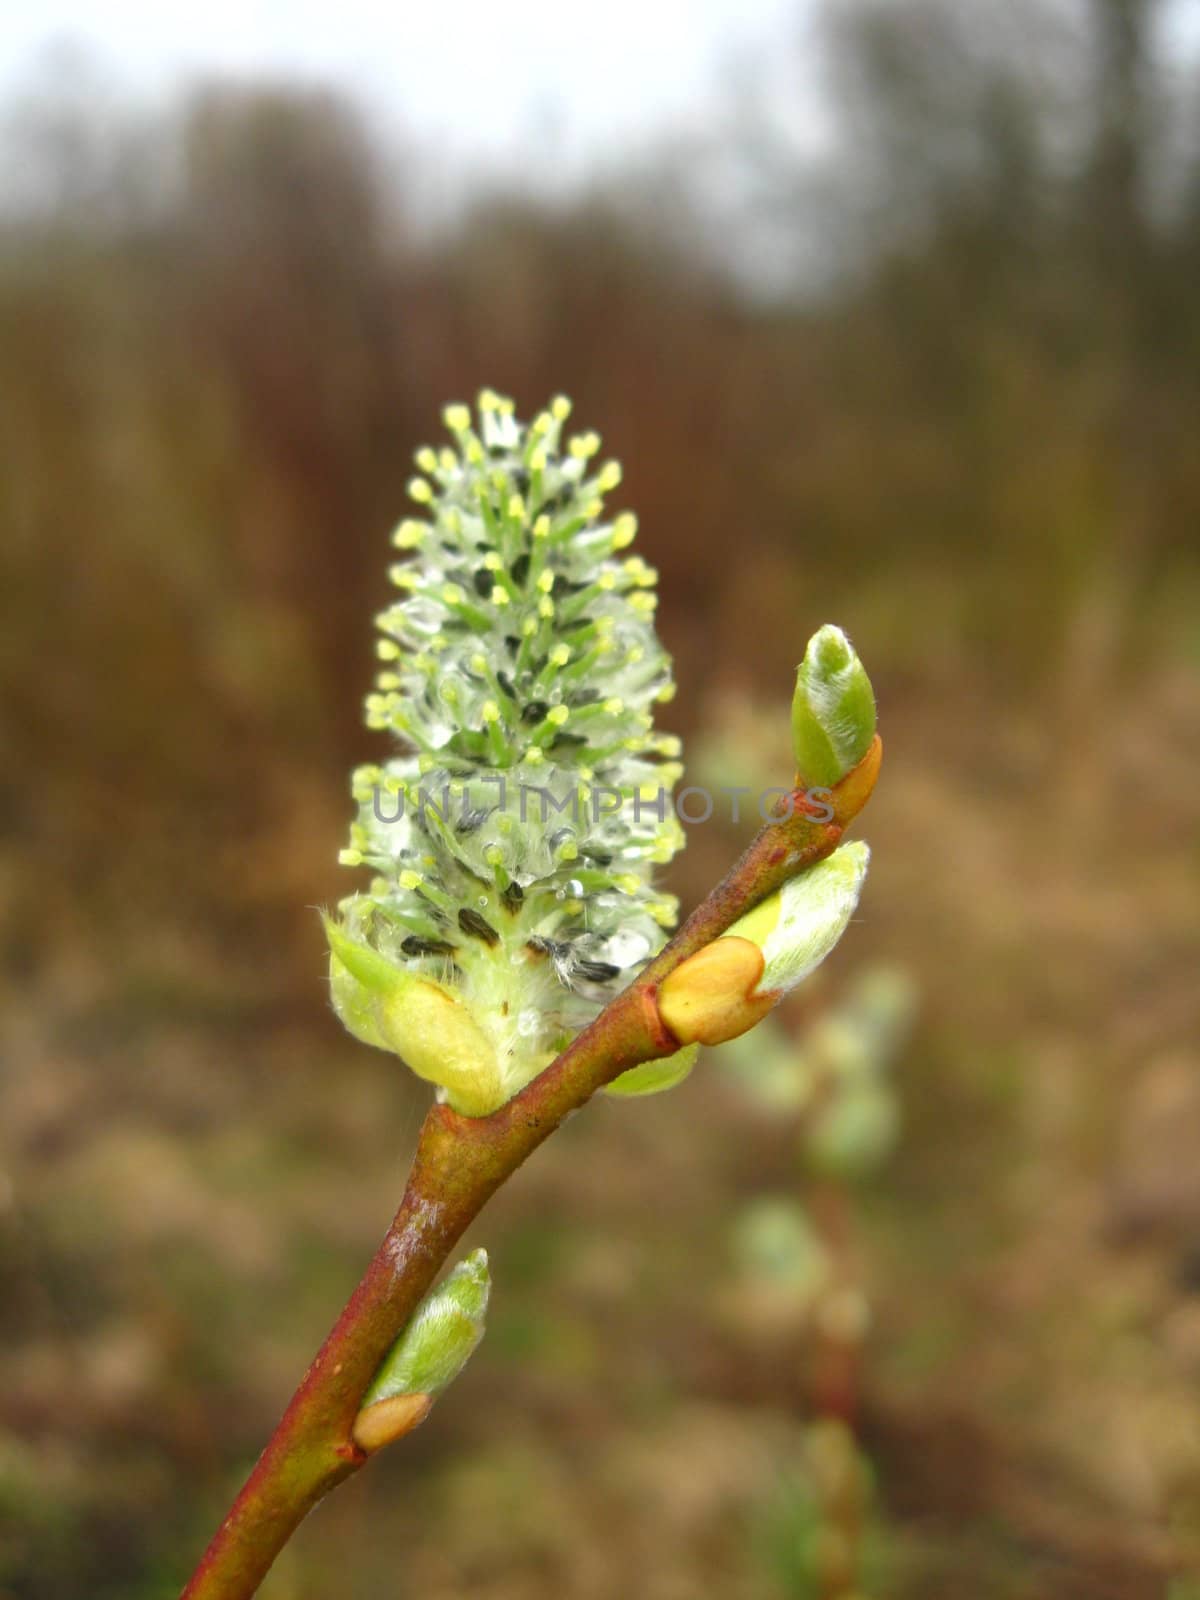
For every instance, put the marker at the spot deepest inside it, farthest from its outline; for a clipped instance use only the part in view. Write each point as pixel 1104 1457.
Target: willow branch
pixel 459 1164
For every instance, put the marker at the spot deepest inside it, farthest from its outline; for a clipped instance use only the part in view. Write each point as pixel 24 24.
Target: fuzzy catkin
pixel 514 836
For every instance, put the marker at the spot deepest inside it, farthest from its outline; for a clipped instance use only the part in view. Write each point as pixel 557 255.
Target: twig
pixel 459 1164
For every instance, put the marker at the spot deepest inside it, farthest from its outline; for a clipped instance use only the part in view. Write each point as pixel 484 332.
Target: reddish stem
pixel 459 1164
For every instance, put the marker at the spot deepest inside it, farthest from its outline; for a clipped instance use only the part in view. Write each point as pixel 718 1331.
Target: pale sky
pixel 475 81
pixel 476 77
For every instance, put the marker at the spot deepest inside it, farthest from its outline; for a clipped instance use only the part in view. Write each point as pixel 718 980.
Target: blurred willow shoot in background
pixel 798 1271
pixel 511 945
pixel 823 1068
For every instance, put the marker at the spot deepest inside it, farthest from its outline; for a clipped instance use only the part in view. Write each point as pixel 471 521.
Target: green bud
pixel 730 984
pixel 798 926
pixel 882 1005
pixel 397 1009
pixel 652 1077
pixel 767 1068
pixel 774 1242
pixel 855 1132
pixel 833 710
pixel 440 1337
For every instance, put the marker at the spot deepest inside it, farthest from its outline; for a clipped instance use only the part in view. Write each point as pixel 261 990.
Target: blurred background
pixel 891 312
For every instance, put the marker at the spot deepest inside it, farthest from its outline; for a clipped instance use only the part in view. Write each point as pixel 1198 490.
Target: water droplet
pixel 624 948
